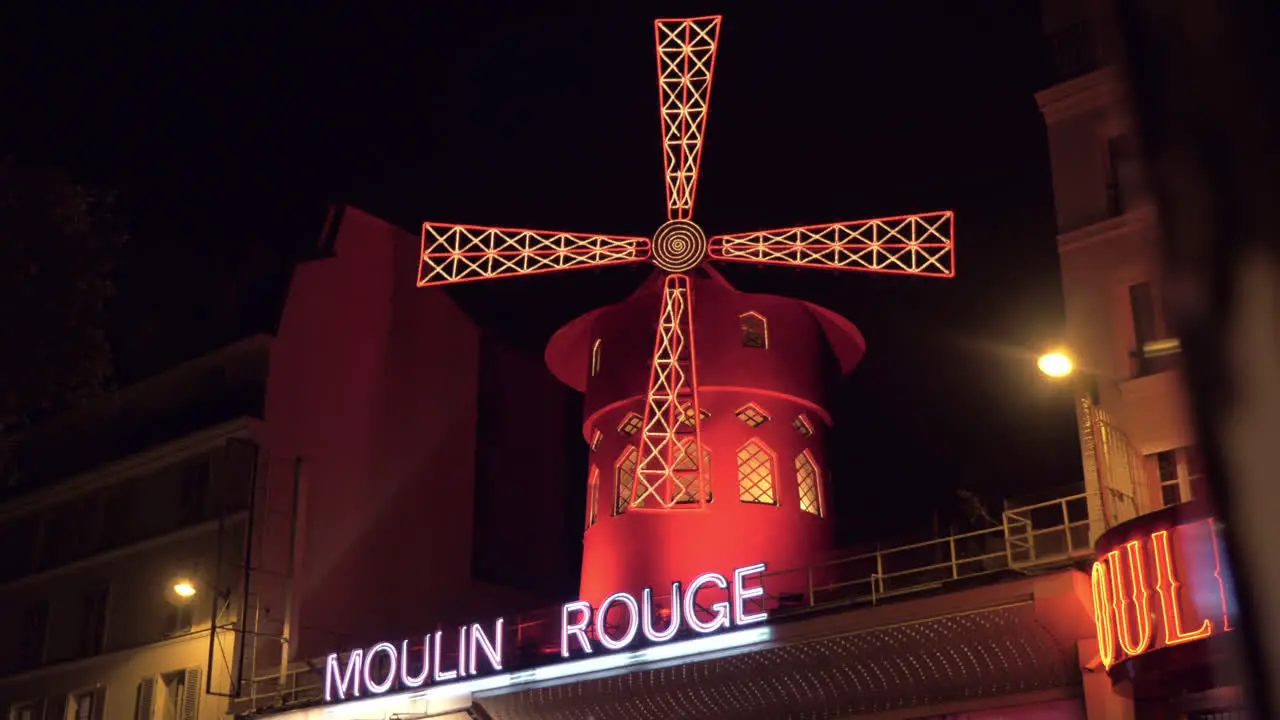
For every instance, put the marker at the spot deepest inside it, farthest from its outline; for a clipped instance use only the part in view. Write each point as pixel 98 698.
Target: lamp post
pixel 1058 365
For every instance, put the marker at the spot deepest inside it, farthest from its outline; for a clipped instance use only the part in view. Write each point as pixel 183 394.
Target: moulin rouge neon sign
pixel 476 650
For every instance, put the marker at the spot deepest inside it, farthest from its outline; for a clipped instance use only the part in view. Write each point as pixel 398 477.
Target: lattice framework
pixel 686 63
pixel 672 387
pixel 457 253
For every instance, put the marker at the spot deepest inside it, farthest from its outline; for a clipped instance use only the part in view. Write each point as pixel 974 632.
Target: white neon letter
pixel 633 615
pixel 462 651
pixel 435 665
pixel 493 651
pixel 741 594
pixel 721 609
pixel 348 681
pixel 577 629
pixel 377 688
pixel 646 618
pixel 405 679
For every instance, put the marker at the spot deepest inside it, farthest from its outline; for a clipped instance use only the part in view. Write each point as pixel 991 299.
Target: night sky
pixel 228 134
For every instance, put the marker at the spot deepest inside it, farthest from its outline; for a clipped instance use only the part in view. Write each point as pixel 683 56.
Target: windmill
pixel 669 473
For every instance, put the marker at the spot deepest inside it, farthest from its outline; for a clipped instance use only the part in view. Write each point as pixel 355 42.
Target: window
pixel 809 482
pixel 1125 183
pixel 24 711
pixel 595 357
pixel 803 425
pixel 624 479
pixel 755 330
pixel 180 619
pixel 755 474
pixel 686 412
pixel 630 425
pixel 596 437
pixel 752 414
pixel 35 632
pixel 171 696
pixel 1177 469
pixel 195 490
pixel 687 473
pixel 93 621
pixel 593 496
pixel 86 705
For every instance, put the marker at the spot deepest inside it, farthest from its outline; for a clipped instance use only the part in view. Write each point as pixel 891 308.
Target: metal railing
pixel 1032 538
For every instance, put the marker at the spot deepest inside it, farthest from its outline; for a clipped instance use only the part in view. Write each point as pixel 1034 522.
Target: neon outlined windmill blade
pixel 671 471
pixel 686 51
pixel 462 253
pixel 903 245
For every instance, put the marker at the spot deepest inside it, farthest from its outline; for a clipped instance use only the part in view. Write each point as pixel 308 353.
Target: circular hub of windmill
pixel 678 246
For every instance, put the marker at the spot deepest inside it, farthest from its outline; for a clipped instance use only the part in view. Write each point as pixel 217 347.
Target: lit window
pixel 686 474
pixel 593 496
pixel 625 479
pixel 755 330
pixel 85 705
pixel 755 474
pixel 686 410
pixel 752 414
pixel 630 425
pixel 802 425
pixel 596 437
pixel 595 357
pixel 809 481
pixel 1177 470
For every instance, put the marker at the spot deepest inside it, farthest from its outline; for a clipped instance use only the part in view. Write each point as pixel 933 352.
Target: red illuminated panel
pixel 459 253
pixel 905 245
pixel 1167 585
pixel 1182 567
pixel 686 64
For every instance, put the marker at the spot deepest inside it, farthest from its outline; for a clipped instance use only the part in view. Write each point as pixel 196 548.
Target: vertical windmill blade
pixel 904 245
pixel 686 61
pixel 460 253
pixel 672 469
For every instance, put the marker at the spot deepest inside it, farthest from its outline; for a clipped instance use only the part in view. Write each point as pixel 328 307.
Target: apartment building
pixel 122 539
pixel 184 541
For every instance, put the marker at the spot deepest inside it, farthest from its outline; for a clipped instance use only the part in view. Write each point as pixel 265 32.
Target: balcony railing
pixel 1033 538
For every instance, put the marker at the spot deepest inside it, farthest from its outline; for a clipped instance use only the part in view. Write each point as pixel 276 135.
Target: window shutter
pixel 146 699
pixel 55 708
pixel 98 710
pixel 191 694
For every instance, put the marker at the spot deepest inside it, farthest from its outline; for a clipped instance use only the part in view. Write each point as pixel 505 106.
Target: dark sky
pixel 227 134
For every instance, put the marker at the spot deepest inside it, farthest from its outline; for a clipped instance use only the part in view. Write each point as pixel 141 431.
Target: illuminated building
pixel 1158 640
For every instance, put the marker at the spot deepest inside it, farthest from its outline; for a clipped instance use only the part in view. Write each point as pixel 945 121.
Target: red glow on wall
pixel 1160 589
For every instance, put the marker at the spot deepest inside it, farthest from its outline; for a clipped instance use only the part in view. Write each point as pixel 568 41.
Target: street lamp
pixel 184 588
pixel 1055 364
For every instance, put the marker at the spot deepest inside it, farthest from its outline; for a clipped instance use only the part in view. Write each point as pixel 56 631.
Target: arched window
pixel 809 481
pixel 624 479
pixel 595 357
pixel 755 330
pixel 757 468
pixel 686 476
pixel 593 496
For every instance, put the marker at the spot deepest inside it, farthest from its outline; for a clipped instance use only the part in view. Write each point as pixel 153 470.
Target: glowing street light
pixel 184 589
pixel 1055 364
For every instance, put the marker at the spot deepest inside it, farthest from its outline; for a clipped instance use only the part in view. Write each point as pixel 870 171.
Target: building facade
pixel 1162 595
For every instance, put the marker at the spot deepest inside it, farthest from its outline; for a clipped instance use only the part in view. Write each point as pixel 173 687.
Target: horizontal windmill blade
pixel 686 62
pixel 462 253
pixel 903 245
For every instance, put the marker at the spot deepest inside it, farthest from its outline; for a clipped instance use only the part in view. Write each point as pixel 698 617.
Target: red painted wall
pixel 373 384
pixel 650 548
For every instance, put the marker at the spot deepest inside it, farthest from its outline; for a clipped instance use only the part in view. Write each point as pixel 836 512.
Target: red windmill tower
pixel 707 446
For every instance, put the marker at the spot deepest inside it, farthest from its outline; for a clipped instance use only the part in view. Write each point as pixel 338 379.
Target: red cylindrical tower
pixel 764 367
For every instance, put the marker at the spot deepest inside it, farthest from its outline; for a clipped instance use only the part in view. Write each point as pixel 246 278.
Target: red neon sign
pixel 1162 589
